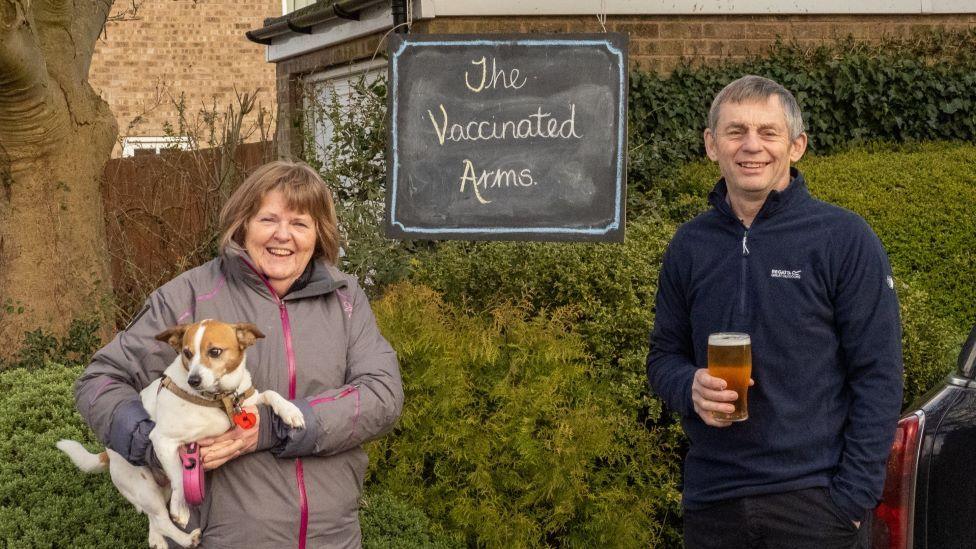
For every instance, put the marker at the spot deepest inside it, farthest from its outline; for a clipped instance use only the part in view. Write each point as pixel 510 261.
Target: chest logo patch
pixel 780 273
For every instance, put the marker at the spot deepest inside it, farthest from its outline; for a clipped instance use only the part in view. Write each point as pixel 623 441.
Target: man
pixel 811 284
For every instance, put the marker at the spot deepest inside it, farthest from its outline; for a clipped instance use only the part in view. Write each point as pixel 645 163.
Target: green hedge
pixel 919 199
pixel 918 88
pixel 45 501
pixel 610 287
pixel 509 440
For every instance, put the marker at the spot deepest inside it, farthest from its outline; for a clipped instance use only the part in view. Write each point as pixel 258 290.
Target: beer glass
pixel 730 358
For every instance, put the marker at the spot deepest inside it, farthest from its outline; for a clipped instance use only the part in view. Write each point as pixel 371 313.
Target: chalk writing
pixel 539 124
pixel 494 179
pixel 498 76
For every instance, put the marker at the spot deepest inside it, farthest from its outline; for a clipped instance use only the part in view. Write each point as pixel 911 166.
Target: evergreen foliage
pixel 917 88
pixel 610 288
pixel 45 501
pixel 509 438
pixel 40 346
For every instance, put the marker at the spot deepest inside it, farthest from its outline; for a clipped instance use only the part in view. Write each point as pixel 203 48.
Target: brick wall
pixel 660 42
pixel 194 47
pixel 657 43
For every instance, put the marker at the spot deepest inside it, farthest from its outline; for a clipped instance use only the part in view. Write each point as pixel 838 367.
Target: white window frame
pixel 342 76
pixel 156 143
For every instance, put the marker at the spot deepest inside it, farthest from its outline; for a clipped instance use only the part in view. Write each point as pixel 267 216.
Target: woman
pixel 269 486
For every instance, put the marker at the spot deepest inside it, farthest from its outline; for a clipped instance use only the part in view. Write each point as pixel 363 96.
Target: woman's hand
pixel 236 442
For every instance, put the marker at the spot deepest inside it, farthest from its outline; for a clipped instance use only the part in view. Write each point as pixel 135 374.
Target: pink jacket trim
pixel 205 297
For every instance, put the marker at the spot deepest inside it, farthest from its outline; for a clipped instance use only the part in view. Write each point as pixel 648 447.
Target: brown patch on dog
pixel 219 348
pixel 174 336
pixel 247 334
pixel 103 458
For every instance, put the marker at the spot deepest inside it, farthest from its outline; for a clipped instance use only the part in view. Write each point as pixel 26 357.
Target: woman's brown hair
pixel 303 191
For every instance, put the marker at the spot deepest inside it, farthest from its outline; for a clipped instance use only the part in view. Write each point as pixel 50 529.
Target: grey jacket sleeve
pixel 120 370
pixel 366 407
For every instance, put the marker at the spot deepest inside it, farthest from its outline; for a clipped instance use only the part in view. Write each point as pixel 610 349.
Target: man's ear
pixel 174 336
pixel 798 147
pixel 247 334
pixel 710 148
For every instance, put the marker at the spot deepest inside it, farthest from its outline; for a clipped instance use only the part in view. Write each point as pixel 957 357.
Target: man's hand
pixel 236 442
pixel 708 394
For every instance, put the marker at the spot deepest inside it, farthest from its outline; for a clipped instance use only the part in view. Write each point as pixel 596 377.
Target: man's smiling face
pixel 752 146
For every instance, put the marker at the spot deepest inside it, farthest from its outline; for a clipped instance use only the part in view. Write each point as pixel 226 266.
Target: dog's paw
pixel 156 540
pixel 291 415
pixel 194 538
pixel 179 511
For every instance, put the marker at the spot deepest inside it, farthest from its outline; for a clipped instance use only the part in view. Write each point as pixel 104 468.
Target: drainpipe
pixel 399 8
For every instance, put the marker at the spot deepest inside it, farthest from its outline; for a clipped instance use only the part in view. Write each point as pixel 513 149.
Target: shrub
pixel 40 346
pixel 918 198
pixel 352 162
pixel 610 287
pixel 916 88
pixel 46 502
pixel 509 439
pixel 389 522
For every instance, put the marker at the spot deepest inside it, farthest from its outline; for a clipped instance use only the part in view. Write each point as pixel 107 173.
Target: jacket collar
pixel 776 201
pixel 318 278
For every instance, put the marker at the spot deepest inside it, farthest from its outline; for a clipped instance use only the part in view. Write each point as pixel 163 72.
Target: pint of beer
pixel 730 358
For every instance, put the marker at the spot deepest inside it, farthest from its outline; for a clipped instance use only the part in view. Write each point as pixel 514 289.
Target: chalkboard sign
pixel 499 137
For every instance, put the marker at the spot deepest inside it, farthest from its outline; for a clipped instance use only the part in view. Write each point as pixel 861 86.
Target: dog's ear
pixel 174 336
pixel 247 334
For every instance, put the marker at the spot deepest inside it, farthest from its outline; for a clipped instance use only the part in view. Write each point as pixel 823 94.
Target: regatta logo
pixel 777 273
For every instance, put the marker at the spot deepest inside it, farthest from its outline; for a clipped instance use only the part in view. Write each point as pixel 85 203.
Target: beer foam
pixel 729 339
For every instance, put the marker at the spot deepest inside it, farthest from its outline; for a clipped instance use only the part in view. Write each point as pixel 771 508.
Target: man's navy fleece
pixel 810 282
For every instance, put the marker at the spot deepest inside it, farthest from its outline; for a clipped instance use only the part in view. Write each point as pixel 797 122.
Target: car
pixel 930 490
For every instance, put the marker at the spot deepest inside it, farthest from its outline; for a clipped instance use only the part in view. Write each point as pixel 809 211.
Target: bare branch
pixel 130 13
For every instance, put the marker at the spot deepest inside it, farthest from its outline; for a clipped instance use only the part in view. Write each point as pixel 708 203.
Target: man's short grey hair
pixel 756 88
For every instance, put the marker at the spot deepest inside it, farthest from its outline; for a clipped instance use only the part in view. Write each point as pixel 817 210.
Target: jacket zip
pixel 290 356
pixel 299 470
pixel 742 279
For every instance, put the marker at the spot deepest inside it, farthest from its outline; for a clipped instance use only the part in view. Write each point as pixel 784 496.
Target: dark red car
pixel 929 497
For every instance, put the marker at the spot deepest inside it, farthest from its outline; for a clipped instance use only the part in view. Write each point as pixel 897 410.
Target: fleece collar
pixel 776 201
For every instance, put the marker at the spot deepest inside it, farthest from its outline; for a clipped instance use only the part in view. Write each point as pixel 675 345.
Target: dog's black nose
pixel 193 380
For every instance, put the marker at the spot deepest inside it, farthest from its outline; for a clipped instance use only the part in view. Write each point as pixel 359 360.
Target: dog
pixel 210 366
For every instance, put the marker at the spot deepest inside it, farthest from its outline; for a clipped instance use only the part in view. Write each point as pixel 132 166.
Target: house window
pixel 288 6
pixel 335 91
pixel 137 146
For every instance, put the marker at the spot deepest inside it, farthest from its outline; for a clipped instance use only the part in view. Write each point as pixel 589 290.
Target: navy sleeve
pixel 670 366
pixel 867 321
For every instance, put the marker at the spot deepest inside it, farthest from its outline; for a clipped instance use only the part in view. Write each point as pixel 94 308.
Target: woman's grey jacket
pixel 322 350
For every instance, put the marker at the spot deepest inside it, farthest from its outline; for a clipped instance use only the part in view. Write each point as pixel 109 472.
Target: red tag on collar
pixel 245 420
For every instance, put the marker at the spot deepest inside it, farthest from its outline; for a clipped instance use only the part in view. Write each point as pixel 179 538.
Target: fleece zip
pixel 811 283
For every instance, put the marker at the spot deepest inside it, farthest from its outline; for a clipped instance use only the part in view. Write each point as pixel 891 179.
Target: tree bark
pixel 56 134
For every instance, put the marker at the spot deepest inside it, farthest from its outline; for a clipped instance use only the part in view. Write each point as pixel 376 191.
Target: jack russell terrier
pixel 201 394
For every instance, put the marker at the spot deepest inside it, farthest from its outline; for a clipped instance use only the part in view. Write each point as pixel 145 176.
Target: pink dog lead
pixel 194 484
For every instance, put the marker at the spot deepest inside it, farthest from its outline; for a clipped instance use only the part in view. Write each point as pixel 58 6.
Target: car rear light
pixel 892 527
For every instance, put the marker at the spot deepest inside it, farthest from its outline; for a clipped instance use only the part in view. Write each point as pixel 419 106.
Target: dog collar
pixel 230 403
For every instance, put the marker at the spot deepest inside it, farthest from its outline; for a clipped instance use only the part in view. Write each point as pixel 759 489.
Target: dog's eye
pixel 214 353
pixel 188 354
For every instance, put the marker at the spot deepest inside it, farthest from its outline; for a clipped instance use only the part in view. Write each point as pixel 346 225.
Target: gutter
pixel 301 21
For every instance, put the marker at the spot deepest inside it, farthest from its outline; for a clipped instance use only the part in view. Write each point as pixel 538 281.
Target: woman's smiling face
pixel 280 241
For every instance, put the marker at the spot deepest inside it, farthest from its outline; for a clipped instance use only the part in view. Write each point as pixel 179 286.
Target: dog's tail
pixel 82 458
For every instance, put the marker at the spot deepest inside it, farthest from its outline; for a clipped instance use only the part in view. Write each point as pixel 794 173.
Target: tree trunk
pixel 55 137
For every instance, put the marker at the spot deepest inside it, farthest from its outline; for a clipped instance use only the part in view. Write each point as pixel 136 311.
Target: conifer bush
pixel 610 287
pixel 45 501
pixel 509 439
